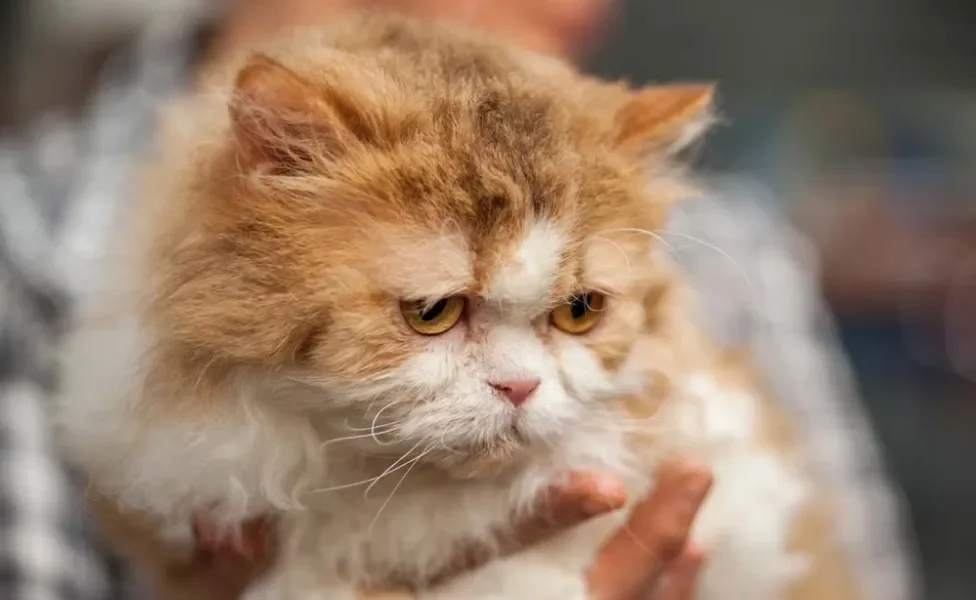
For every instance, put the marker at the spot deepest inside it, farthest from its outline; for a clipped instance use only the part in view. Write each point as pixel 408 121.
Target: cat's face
pixel 474 350
pixel 463 276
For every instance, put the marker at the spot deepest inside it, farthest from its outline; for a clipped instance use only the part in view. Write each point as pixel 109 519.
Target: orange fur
pixel 466 141
pixel 813 534
pixel 312 186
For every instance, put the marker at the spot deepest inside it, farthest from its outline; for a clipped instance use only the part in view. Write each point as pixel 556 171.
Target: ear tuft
pixel 267 83
pixel 665 118
pixel 277 116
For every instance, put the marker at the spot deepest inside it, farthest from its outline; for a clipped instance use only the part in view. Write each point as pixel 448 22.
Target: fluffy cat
pixel 388 281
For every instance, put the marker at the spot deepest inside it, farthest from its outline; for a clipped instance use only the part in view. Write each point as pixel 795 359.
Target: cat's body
pixel 253 359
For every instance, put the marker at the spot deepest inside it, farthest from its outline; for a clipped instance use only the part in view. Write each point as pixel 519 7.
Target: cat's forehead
pixel 506 207
pixel 486 173
pixel 521 266
pixel 530 267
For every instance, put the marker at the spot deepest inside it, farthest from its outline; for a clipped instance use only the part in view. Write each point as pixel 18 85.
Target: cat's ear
pixel 281 118
pixel 665 118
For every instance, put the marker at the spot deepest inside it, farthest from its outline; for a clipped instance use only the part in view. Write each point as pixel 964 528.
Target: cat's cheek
pixel 550 413
pixel 436 366
pixel 445 397
pixel 642 363
pixel 583 376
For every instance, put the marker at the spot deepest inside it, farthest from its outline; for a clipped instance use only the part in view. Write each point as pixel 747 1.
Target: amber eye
pixel 433 319
pixel 580 314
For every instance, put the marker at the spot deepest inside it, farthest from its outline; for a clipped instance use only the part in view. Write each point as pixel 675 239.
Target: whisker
pixel 372 426
pixel 663 241
pixel 342 486
pixel 371 480
pixel 674 251
pixel 723 253
pixel 412 463
pixel 393 467
pixel 348 427
pixel 360 436
pixel 444 445
pixel 617 246
pixel 376 428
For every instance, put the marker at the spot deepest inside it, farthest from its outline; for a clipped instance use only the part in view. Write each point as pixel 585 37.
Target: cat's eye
pixel 433 319
pixel 580 314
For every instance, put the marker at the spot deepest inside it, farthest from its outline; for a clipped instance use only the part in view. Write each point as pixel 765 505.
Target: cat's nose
pixel 517 390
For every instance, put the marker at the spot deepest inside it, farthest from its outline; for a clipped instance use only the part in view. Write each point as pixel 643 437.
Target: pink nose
pixel 517 390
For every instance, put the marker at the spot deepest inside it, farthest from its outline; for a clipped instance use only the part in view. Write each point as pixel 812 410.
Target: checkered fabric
pixel 58 193
pixel 60 185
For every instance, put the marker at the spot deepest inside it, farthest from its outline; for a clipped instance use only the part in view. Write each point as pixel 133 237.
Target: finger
pixel 225 565
pixel 582 497
pixel 231 576
pixel 655 534
pixel 251 543
pixel 683 575
pixel 222 578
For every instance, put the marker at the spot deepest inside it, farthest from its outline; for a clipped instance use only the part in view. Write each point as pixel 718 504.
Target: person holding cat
pixel 563 28
pixel 625 564
pixel 651 550
pixel 651 547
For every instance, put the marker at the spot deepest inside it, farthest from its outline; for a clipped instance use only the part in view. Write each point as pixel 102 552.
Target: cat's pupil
pixel 434 311
pixel 579 306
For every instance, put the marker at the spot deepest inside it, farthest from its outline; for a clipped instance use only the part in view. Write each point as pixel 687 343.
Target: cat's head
pixel 458 258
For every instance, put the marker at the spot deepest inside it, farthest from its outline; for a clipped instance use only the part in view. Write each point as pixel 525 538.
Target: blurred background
pixel 860 116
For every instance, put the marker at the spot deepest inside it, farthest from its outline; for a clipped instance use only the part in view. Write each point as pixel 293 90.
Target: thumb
pixel 581 497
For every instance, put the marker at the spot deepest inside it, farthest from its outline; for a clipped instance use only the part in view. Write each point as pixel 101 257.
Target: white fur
pixel 527 277
pixel 692 131
pixel 746 519
pixel 343 504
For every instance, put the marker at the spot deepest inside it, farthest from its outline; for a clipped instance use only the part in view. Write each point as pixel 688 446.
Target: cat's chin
pixel 485 461
pixel 481 468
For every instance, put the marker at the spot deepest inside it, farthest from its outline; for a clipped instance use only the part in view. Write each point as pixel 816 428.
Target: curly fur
pixel 248 356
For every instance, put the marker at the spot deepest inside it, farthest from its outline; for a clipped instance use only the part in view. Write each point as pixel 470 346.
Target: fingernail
pixel 609 487
pixel 593 507
pixel 695 553
pixel 608 494
pixel 598 505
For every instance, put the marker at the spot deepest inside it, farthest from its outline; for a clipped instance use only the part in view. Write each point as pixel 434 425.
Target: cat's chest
pixel 402 528
pixel 403 532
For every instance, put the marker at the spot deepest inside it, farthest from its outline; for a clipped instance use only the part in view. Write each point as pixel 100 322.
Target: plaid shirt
pixel 59 192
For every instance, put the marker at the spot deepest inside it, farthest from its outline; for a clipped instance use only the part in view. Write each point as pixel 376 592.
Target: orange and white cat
pixel 389 281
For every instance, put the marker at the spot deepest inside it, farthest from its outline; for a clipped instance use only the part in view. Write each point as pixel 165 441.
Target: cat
pixel 387 281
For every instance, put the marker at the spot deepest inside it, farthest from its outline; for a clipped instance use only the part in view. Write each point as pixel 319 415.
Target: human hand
pixel 650 551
